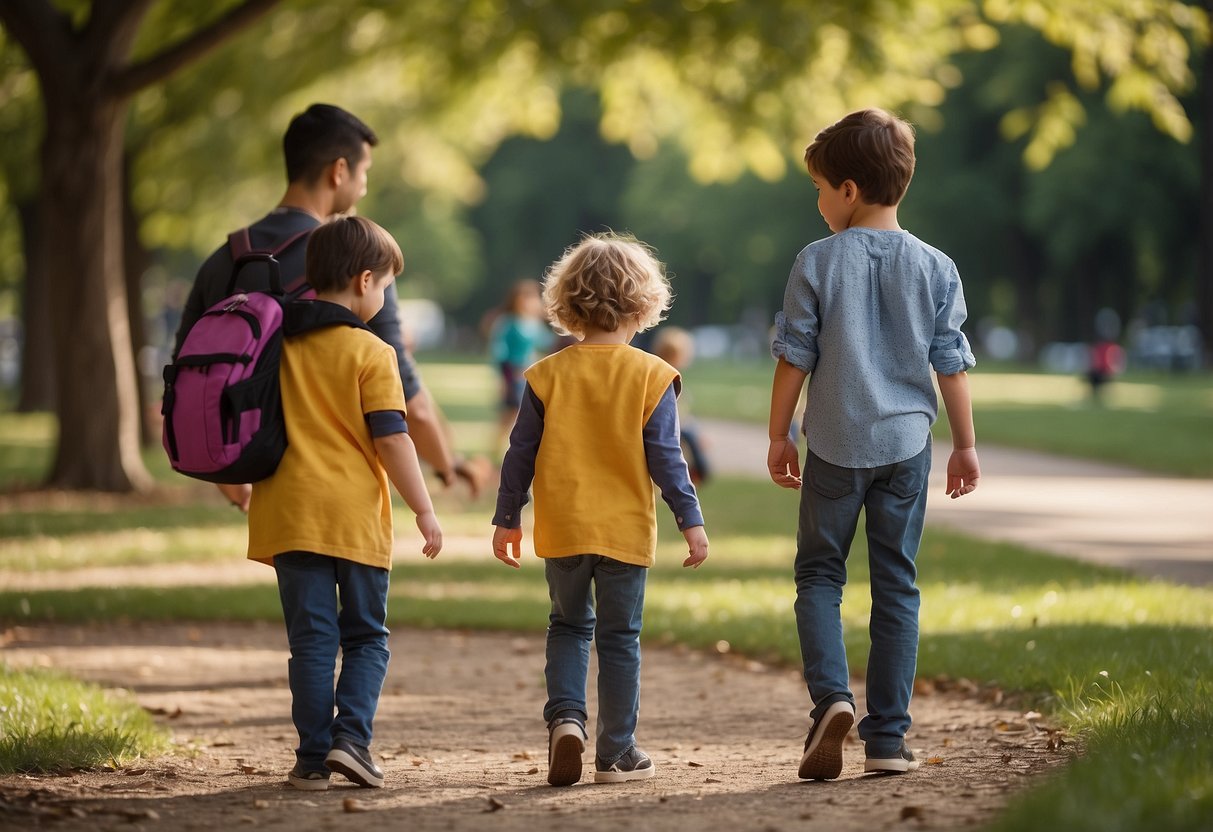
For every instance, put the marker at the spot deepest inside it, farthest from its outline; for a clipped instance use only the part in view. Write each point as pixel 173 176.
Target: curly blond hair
pixel 604 281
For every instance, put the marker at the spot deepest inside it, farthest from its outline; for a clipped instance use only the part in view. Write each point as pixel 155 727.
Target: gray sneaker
pixel 822 758
pixel 633 765
pixel 355 763
pixel 898 763
pixel 566 744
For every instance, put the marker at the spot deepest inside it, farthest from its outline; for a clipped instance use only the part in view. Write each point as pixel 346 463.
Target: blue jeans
pixel 894 499
pixel 310 587
pixel 618 597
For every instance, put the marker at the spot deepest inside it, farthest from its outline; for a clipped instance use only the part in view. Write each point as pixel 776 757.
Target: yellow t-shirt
pixel 330 494
pixel 592 489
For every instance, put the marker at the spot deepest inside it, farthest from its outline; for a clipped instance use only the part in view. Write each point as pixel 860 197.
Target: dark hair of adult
pixel 347 246
pixel 319 136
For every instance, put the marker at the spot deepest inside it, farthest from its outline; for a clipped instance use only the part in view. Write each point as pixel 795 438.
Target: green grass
pixel 50 723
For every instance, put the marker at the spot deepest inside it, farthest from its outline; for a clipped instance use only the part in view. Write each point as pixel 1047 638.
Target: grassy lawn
pixel 51 723
pixel 1125 662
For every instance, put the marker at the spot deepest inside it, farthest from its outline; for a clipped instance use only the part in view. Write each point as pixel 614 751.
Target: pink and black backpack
pixel 222 403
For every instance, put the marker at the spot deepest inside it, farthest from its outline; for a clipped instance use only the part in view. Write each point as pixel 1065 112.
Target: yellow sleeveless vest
pixel 592 490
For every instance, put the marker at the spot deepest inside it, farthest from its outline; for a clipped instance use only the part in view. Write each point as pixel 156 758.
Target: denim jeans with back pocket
pixel 893 498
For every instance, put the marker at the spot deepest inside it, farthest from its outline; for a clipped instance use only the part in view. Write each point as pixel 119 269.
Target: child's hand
pixel 697 540
pixel 237 495
pixel 963 472
pixel 783 463
pixel 505 540
pixel 427 523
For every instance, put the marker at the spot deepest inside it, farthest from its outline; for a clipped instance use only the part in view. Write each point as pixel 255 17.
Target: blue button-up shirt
pixel 868 313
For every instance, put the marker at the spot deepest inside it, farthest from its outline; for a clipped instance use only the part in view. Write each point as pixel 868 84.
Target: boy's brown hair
pixel 603 281
pixel 873 148
pixel 342 248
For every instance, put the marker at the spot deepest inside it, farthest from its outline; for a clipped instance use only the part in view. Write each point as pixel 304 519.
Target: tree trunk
pixel 38 342
pixel 1025 271
pixel 1204 268
pixel 136 261
pixel 86 83
pixel 81 245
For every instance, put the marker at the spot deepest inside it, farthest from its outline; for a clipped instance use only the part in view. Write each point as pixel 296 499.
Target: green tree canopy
pixel 737 87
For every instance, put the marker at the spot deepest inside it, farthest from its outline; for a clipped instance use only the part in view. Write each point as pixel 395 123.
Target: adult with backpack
pixel 328 153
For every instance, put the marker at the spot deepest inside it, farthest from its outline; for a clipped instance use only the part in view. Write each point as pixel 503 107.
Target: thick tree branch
pixel 159 67
pixel 111 29
pixel 42 31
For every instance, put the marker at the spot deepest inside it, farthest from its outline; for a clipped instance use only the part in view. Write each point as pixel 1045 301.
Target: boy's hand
pixel 427 523
pixel 507 540
pixel 963 472
pixel 697 540
pixel 783 463
pixel 237 495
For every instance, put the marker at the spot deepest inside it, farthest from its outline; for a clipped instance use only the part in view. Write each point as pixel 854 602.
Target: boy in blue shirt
pixel 868 313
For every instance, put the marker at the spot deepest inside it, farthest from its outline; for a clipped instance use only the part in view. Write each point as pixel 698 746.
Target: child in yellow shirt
pixel 324 519
pixel 597 427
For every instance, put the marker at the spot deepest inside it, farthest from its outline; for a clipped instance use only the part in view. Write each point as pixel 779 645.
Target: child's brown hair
pixel 342 248
pixel 604 281
pixel 873 148
pixel 675 346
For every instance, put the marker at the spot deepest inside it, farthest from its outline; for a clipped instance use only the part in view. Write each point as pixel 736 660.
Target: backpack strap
pixel 241 247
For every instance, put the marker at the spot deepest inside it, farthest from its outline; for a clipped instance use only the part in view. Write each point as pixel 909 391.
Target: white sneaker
pixel 822 758
pixel 898 763
pixel 566 744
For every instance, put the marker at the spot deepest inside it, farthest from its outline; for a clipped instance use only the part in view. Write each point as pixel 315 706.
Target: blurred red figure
pixel 1107 362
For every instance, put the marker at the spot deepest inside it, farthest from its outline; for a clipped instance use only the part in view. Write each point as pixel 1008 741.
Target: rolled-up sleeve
pixel 796 327
pixel 950 351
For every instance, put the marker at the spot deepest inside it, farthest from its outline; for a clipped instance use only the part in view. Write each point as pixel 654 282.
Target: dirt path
pixel 463 745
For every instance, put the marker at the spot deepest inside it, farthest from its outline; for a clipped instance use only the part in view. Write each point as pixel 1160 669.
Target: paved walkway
pixel 1152 524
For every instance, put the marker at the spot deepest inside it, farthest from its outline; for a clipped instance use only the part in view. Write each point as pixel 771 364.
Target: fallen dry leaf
pixel 694 764
pixel 935 760
pixel 495 805
pixel 351 806
pixel 1004 727
pixel 133 815
pixel 533 770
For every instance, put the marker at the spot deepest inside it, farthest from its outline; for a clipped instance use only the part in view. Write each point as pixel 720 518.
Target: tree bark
pixel 1028 261
pixel 1204 267
pixel 81 216
pixel 136 261
pixel 38 342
